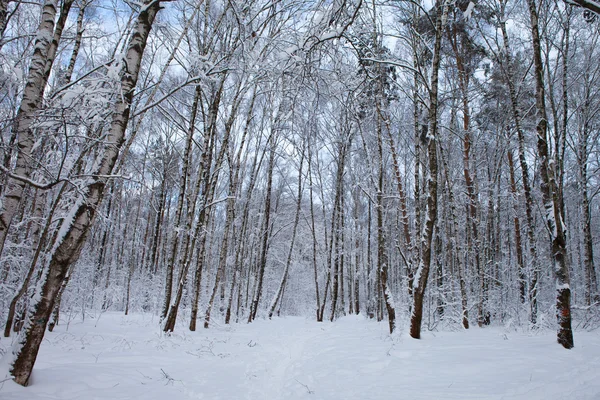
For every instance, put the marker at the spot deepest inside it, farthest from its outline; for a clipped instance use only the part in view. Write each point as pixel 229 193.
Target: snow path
pixel 119 357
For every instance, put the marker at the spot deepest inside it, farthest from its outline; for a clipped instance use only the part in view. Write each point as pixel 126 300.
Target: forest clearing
pixel 112 356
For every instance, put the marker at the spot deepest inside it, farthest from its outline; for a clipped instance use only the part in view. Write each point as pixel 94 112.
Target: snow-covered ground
pixel 117 357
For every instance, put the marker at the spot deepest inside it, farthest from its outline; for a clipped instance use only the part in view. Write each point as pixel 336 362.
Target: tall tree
pixel 76 227
pixel 554 212
pixel 422 273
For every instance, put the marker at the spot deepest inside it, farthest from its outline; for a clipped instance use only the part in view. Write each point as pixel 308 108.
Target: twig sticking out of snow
pixel 306 387
pixel 169 379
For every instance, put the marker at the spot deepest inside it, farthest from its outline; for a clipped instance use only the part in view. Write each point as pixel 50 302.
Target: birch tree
pixel 76 227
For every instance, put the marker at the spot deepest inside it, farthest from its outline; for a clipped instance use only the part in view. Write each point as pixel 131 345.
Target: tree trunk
pixel 314 235
pixel 382 257
pixel 77 46
pixel 551 195
pixel 207 184
pixel 180 202
pixel 288 262
pixel 265 230
pixel 422 274
pixel 22 128
pixel 531 235
pixel 76 227
pixel 517 223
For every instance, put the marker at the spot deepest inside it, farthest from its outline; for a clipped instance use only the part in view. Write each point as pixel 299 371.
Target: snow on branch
pixel 590 5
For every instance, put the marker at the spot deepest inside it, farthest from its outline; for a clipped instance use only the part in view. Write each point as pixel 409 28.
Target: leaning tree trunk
pixel 77 46
pixel 32 267
pixel 550 194
pixel 22 128
pixel 76 227
pixel 58 30
pixel 207 182
pixel 183 180
pixel 203 182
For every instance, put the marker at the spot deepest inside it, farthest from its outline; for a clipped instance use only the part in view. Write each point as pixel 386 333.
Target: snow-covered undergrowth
pixel 118 357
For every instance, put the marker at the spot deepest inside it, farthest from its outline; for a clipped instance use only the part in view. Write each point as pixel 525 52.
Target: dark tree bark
pixel 319 315
pixel 455 249
pixel 507 68
pixel 279 295
pixel 517 224
pixel 183 181
pixel 266 227
pixel 550 194
pixel 422 274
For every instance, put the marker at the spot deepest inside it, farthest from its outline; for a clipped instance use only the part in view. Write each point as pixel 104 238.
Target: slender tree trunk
pixel 382 257
pixel 22 128
pixel 551 195
pixel 517 223
pixel 3 19
pixel 357 253
pixel 278 296
pixel 208 185
pixel 422 274
pixel 58 29
pixel 473 240
pixel 405 221
pixel 531 235
pixel 454 244
pixel 591 282
pixel 180 202
pixel 370 296
pixel 160 213
pixel 314 234
pixel 336 245
pixel 223 253
pixel 265 230
pixel 77 46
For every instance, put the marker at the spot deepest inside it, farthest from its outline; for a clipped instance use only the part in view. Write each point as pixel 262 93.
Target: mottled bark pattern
pixel 22 128
pixel 74 233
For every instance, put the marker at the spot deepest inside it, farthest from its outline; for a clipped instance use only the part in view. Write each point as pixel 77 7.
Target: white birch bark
pixel 78 222
pixel 30 104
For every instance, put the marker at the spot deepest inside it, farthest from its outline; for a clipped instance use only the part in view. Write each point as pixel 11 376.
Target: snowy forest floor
pixel 119 357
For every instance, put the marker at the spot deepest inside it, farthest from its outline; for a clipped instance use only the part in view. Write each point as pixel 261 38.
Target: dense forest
pixel 218 161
